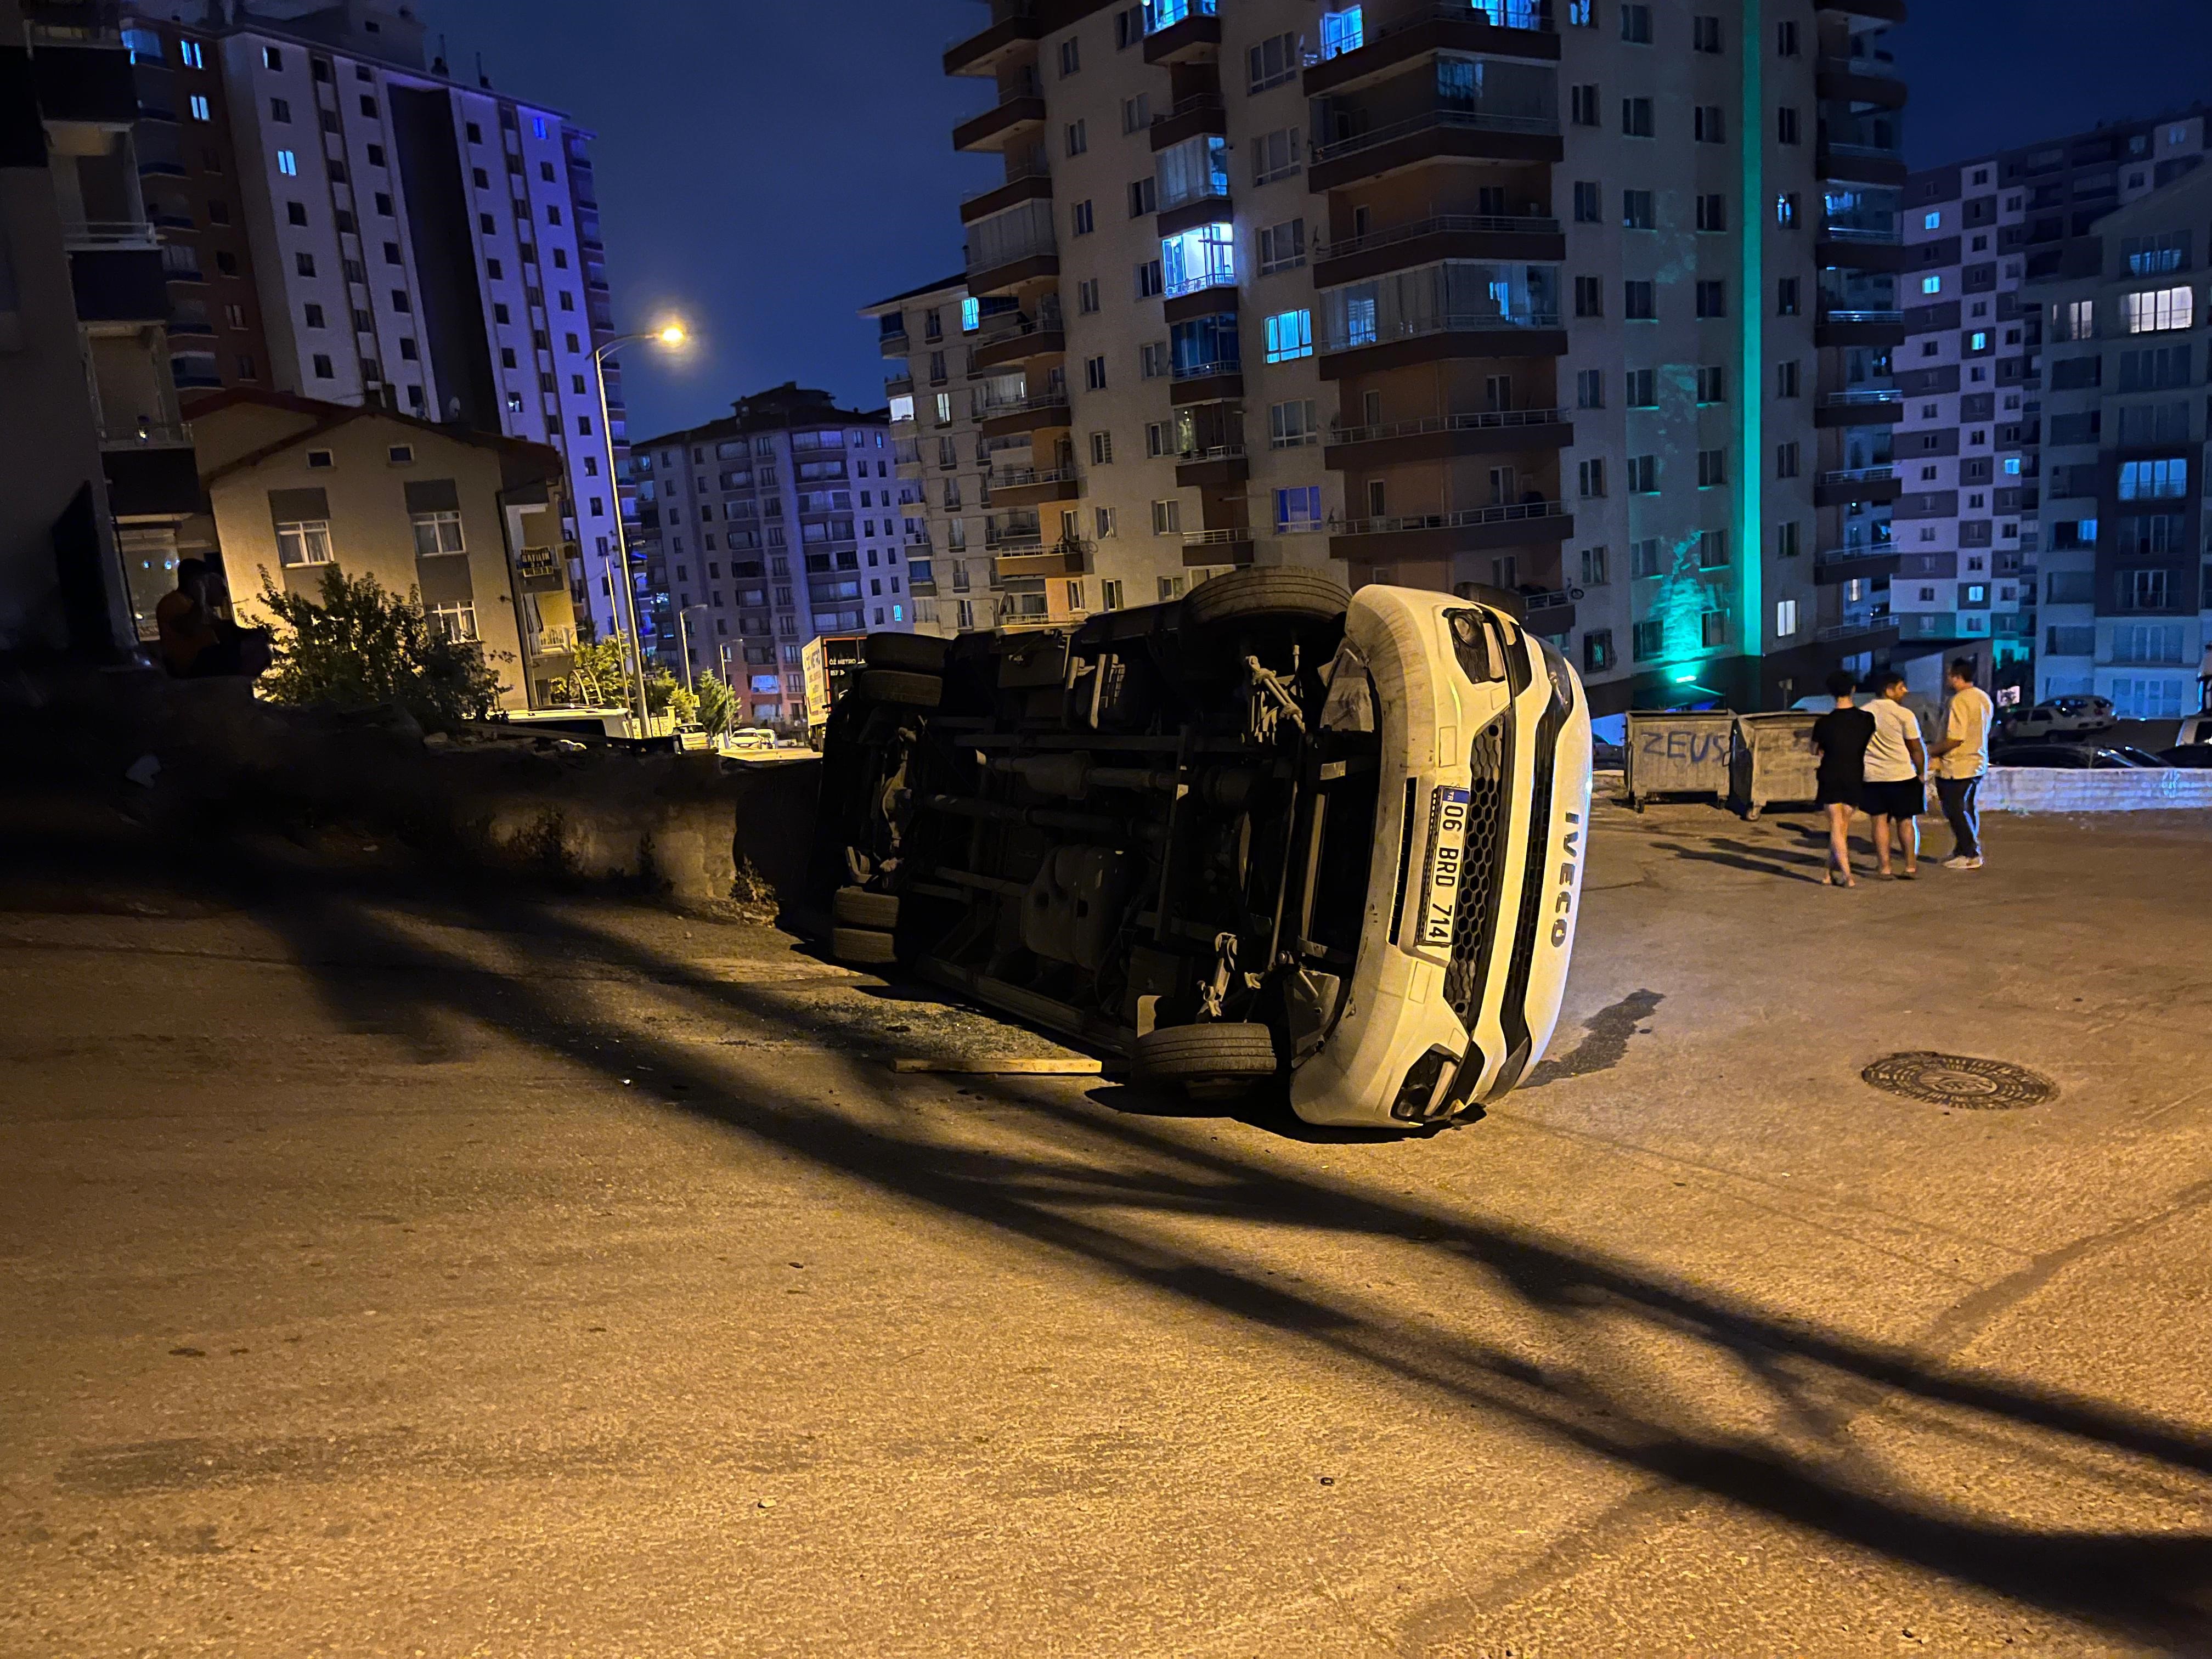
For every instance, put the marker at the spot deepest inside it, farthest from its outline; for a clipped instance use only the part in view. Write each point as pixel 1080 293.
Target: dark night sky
pixel 769 168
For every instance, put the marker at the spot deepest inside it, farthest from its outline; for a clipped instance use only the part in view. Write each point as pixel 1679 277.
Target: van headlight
pixel 1563 677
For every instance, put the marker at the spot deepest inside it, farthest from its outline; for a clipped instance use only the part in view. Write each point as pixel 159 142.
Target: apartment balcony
pixel 1031 486
pixel 1846 247
pixel 1432 135
pixel 1550 615
pixel 1837 327
pixel 144 433
pixel 1006 268
pixel 1045 412
pixel 121 284
pixel 1864 14
pixel 1016 121
pixel 1220 467
pixel 1859 164
pixel 1859 409
pixel 1011 347
pixel 108 233
pixel 1445 236
pixel 897 386
pixel 1864 632
pixel 1194 36
pixel 1024 182
pixel 1838 565
pixel 1194 116
pixel 1206 383
pixel 1441 437
pixel 1439 535
pixel 1233 545
pixel 1390 42
pixel 1859 81
pixel 85 83
pixel 1014 30
pixel 895 344
pixel 1870 485
pixel 543 570
pixel 153 481
pixel 1069 557
pixel 1443 339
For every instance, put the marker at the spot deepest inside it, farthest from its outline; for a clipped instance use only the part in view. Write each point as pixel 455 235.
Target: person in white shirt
pixel 1962 757
pixel 1894 794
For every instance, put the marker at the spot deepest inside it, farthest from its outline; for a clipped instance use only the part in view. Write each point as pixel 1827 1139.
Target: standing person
pixel 1896 791
pixel 1962 757
pixel 1841 738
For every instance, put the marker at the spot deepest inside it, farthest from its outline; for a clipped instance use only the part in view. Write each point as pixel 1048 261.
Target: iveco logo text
pixel 1566 904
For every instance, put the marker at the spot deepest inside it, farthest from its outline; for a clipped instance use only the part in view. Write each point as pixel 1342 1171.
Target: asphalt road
pixel 408 1269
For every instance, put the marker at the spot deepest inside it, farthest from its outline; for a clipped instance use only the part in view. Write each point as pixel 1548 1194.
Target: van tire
pixel 864 947
pixel 916 654
pixel 1278 595
pixel 899 688
pixel 858 908
pixel 1211 1054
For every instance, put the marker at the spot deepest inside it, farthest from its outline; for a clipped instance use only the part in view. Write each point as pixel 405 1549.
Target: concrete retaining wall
pixel 2058 789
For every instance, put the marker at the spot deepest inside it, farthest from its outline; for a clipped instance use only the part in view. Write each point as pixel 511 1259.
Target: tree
pixel 360 645
pixel 598 677
pixel 717 708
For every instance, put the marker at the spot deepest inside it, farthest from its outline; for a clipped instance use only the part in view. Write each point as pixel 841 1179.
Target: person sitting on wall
pixel 196 642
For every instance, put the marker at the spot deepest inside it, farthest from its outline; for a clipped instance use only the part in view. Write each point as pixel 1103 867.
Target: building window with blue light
pixel 1166 14
pixel 1290 334
pixel 2142 481
pixel 1299 511
pixel 1931 285
pixel 1195 170
pixel 1342 32
pixel 971 315
pixel 1450 296
pixel 1203 347
pixel 288 164
pixel 1202 256
pixel 1931 222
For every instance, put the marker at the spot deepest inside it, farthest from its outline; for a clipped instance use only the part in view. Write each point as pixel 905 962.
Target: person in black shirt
pixel 1841 738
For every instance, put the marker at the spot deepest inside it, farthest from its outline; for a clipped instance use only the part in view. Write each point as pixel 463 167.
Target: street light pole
pixel 683 639
pixel 673 335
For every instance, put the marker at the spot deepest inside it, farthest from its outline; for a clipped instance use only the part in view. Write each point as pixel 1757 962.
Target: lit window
pixel 1932 221
pixel 2155 310
pixel 287 163
pixel 1977 341
pixel 199 108
pixel 971 315
pixel 304 541
pixel 1931 285
pixel 1290 334
pixel 2154 480
pixel 438 532
pixel 1202 256
pixel 1786 618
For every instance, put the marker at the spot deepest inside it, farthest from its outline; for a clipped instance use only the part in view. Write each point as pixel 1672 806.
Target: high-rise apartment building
pixel 1591 302
pixel 759 531
pixel 342 219
pixel 2125 567
pixel 942 462
pixel 97 475
pixel 1979 236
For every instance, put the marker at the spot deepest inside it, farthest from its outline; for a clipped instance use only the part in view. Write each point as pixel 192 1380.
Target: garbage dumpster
pixel 1774 760
pixel 1679 754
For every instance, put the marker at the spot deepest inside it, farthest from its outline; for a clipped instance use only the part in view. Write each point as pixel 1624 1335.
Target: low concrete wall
pixel 680 824
pixel 2060 789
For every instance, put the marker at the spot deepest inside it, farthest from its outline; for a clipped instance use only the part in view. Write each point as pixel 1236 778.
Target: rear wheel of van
pixel 1265 596
pixel 856 907
pixel 1212 1059
pixel 898 688
pixel 864 947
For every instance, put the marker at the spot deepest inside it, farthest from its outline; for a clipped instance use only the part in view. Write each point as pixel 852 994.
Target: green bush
pixel 359 646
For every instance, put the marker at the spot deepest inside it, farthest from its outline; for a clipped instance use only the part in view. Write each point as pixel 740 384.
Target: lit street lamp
pixel 672 336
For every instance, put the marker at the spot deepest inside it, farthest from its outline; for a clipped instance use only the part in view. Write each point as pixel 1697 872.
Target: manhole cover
pixel 1960 1080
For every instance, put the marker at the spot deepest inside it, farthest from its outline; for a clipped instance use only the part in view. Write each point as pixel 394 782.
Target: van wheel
pixel 899 688
pixel 1206 1056
pixel 1282 595
pixel 917 653
pixel 856 907
pixel 864 947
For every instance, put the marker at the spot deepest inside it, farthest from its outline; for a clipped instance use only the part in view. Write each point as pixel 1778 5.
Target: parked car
pixel 2195 729
pixel 2059 715
pixel 2077 757
pixel 1266 831
pixel 2193 755
pixel 750 737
